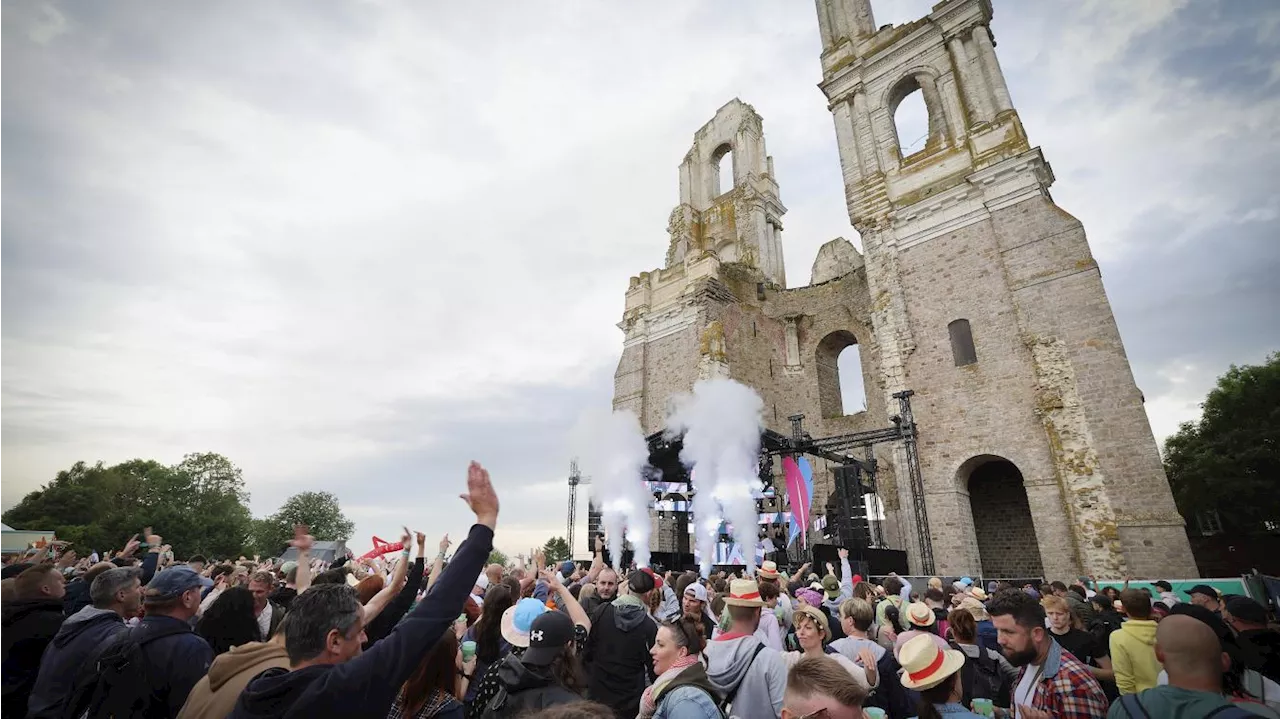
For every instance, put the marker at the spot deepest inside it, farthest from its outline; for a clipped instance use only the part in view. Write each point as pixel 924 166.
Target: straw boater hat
pixel 819 618
pixel 768 570
pixel 925 665
pixel 978 594
pixel 920 614
pixel 744 593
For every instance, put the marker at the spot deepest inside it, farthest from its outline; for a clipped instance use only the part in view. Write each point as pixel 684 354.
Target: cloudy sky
pixel 353 245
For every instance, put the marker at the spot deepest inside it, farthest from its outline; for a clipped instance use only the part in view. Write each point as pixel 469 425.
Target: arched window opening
pixel 911 119
pixel 853 396
pixel 1002 521
pixel 962 349
pixel 841 390
pixel 723 164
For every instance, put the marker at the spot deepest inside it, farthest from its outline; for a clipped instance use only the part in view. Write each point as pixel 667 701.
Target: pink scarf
pixel 647 704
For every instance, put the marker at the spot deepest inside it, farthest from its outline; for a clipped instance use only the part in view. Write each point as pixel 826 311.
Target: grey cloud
pixel 354 246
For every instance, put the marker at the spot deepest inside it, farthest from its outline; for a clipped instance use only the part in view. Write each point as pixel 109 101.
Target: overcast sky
pixel 352 245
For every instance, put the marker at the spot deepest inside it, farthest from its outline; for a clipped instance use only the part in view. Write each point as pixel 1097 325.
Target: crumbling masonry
pixel 975 290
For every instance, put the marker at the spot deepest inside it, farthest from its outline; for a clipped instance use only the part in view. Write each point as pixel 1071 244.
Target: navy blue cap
pixel 171 583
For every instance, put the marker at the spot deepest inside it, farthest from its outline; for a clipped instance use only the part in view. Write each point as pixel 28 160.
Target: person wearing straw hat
pixel 768 573
pixel 921 621
pixel 813 633
pixel 935 674
pixel 750 676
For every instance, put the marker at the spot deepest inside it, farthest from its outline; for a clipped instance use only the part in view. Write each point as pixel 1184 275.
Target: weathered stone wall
pixel 963 229
pixel 1002 518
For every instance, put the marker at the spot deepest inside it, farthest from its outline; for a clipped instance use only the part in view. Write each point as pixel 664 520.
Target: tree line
pixel 201 502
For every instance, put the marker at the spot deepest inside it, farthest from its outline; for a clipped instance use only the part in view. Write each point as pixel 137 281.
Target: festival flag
pixel 798 493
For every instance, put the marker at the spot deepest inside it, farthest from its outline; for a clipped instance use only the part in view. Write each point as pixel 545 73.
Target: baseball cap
pixel 518 619
pixel 698 591
pixel 482 581
pixel 641 581
pixel 1244 608
pixel 567 567
pixel 966 581
pixel 547 637
pixel 1162 585
pixel 831 586
pixel 171 583
pixel 1204 589
pixel 657 581
pixel 288 567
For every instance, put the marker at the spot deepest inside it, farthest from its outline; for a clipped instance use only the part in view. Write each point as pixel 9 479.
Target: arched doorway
pixel 1007 543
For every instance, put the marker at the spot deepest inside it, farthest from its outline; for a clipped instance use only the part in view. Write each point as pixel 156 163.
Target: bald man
pixel 1193 658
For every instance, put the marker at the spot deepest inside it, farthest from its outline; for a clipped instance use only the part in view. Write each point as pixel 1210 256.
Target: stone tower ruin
pixel 974 290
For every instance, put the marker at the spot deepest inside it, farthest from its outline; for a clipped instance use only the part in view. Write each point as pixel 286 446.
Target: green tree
pixel 498 557
pixel 1229 460
pixel 197 505
pixel 321 513
pixel 557 550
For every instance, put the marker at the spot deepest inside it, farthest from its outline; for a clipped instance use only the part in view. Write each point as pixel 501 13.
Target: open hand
pixel 301 540
pixel 480 496
pixel 844 553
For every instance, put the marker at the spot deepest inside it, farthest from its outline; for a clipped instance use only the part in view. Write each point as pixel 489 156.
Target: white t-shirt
pixel 1026 688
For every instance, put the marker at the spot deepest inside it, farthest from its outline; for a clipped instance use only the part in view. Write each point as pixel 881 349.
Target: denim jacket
pixel 687 702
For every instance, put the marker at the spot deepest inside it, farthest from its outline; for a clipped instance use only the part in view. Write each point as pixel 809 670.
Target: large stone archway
pixel 1007 545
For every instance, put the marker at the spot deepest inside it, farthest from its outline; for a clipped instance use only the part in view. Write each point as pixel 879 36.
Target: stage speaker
pixel 851 526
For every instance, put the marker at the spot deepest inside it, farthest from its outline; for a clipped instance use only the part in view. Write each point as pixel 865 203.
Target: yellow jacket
pixel 1133 655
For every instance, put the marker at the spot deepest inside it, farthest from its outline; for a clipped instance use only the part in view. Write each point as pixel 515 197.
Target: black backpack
pixel 981 678
pixel 116 685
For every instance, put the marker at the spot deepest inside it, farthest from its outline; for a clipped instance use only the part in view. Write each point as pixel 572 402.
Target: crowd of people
pixel 140 635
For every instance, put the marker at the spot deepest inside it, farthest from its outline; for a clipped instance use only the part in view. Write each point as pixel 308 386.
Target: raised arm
pixel 303 543
pixel 392 587
pixel 571 605
pixel 804 568
pixel 438 565
pixel 597 561
pixel 846 576
pixel 392 613
pixel 368 684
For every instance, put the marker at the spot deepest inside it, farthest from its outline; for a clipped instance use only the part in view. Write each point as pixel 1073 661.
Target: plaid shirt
pixel 1067 689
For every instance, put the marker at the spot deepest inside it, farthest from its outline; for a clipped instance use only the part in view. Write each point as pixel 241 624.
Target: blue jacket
pixel 367 686
pixel 78 639
pixel 172 664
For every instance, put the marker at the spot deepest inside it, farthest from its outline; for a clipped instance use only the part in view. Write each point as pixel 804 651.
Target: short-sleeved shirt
pixel 487 685
pixel 1082 646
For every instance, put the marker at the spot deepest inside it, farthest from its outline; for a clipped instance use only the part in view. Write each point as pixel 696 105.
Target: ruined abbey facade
pixel 973 289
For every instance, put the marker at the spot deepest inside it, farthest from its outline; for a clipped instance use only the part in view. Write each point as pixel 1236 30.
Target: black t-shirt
pixel 1082 645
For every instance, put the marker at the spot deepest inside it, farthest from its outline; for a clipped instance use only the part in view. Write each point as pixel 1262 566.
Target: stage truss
pixel 838 449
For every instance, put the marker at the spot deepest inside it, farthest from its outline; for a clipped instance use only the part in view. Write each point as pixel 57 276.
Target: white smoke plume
pixel 613 452
pixel 721 423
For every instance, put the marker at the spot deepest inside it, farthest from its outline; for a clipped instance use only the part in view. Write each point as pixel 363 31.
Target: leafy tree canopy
pixel 498 557
pixel 319 511
pixel 199 505
pixel 556 550
pixel 1229 460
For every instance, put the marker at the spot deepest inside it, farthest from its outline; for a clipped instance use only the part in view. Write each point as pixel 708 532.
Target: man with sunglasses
pixel 819 688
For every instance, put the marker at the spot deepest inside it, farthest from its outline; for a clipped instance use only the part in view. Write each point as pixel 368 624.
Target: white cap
pixel 482 581
pixel 698 591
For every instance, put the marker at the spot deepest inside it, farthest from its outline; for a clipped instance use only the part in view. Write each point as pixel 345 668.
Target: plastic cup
pixel 984 707
pixel 468 650
pixel 874 712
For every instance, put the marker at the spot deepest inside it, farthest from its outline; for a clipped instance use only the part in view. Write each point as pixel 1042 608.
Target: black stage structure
pixel 854 477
